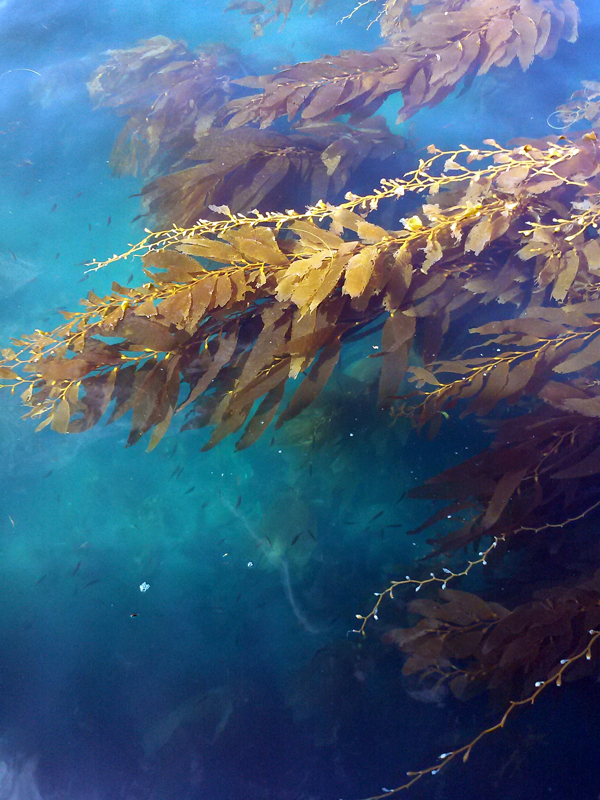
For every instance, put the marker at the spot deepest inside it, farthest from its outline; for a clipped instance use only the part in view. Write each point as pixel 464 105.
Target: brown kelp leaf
pixel 61 416
pixel 519 377
pixel 148 401
pixel 223 354
pixel 143 332
pixel 256 244
pixel 588 355
pixel 479 236
pixel 493 390
pixel 98 394
pixel 359 269
pixel 396 341
pixel 212 249
pixel 301 279
pixel 202 293
pixel 589 465
pixel 503 492
pixel 238 406
pixel 313 383
pixel 262 417
pixel 587 407
pixel 569 264
pixel 179 267
pixel 175 310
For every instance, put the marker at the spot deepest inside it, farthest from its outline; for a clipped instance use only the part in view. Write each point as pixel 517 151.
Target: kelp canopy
pixel 241 300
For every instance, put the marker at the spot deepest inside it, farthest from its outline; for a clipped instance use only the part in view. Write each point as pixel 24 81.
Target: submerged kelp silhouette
pixel 237 304
pixel 189 111
pixel 426 57
pixel 174 97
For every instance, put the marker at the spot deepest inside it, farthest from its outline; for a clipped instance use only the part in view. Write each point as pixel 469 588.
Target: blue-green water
pixel 235 675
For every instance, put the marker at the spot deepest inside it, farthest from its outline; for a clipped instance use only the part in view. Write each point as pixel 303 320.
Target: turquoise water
pixel 235 675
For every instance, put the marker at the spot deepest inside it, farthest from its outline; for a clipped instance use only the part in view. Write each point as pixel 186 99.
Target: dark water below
pixel 237 678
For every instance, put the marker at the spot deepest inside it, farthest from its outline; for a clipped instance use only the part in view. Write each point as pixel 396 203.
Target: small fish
pixel 54 207
pixel 108 221
pixel 12 254
pixel 377 515
pixel 139 216
pixel 396 525
pixel 91 583
pixel 12 522
pixel 295 539
pixel 76 569
pixel 236 599
pixel 41 579
pixel 402 496
pixel 190 490
pixel 81 280
pixel 172 452
pixel 205 503
pixel 311 534
pixel 82 546
pixel 90 227
pixel 78 195
pixel 134 615
pixel 56 256
pixel 129 279
pixel 47 475
pixel 239 502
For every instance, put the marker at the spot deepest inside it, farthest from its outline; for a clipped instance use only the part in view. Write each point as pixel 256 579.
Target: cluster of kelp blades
pixel 239 299
pixel 518 226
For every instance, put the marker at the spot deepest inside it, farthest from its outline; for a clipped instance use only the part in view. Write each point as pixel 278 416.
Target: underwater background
pixel 235 674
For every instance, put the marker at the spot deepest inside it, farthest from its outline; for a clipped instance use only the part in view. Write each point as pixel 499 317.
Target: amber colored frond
pixel 290 288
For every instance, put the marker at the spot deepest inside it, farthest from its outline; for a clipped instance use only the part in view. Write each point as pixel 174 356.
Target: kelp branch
pixel 560 673
pixel 528 169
